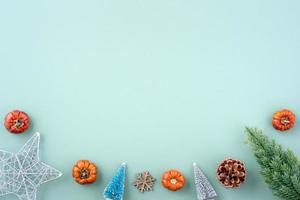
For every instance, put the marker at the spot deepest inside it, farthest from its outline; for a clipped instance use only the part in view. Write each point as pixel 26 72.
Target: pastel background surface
pixel 158 84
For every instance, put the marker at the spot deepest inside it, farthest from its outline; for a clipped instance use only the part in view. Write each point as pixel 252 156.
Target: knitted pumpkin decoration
pixel 283 120
pixel 84 172
pixel 173 180
pixel 16 121
pixel 231 173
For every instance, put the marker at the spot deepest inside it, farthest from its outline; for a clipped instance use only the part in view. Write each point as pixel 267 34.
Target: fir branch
pixel 280 168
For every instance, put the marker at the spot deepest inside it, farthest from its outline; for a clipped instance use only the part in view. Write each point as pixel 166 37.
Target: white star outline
pixel 23 172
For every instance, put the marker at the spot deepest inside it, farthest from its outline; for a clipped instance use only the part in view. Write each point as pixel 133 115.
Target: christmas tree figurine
pixel 203 187
pixel 116 187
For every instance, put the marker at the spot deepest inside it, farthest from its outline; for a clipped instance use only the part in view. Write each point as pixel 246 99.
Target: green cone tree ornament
pixel 280 168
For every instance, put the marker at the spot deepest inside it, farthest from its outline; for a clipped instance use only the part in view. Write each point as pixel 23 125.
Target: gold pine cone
pixel 231 173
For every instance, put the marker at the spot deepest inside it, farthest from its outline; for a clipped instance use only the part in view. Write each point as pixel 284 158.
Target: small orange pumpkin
pixel 17 121
pixel 84 172
pixel 283 120
pixel 173 180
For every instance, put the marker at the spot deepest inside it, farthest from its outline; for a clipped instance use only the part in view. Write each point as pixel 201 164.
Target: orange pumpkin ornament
pixel 283 120
pixel 17 121
pixel 173 180
pixel 84 172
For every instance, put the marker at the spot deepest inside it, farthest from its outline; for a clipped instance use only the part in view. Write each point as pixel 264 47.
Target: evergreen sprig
pixel 280 168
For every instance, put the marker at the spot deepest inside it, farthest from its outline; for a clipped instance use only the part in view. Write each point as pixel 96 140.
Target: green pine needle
pixel 280 168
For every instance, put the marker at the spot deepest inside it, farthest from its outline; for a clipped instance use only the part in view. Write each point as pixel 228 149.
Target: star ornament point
pixel 22 173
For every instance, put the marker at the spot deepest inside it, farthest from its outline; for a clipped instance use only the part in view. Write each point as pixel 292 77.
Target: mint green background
pixel 158 84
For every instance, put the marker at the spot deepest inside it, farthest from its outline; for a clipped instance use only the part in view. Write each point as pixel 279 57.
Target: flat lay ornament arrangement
pixel 22 173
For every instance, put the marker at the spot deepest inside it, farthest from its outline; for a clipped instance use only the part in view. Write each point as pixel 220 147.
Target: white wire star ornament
pixel 21 173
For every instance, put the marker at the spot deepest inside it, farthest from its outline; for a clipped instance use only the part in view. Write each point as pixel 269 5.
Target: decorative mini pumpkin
pixel 231 173
pixel 84 172
pixel 283 120
pixel 16 121
pixel 173 180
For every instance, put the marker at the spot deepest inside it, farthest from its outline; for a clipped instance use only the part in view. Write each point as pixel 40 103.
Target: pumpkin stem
pixel 18 123
pixel 84 174
pixel 173 181
pixel 285 120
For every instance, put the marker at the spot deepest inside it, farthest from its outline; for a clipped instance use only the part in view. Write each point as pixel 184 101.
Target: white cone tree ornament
pixel 21 173
pixel 204 189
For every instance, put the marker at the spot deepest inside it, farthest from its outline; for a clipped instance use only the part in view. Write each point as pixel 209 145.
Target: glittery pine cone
pixel 231 173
